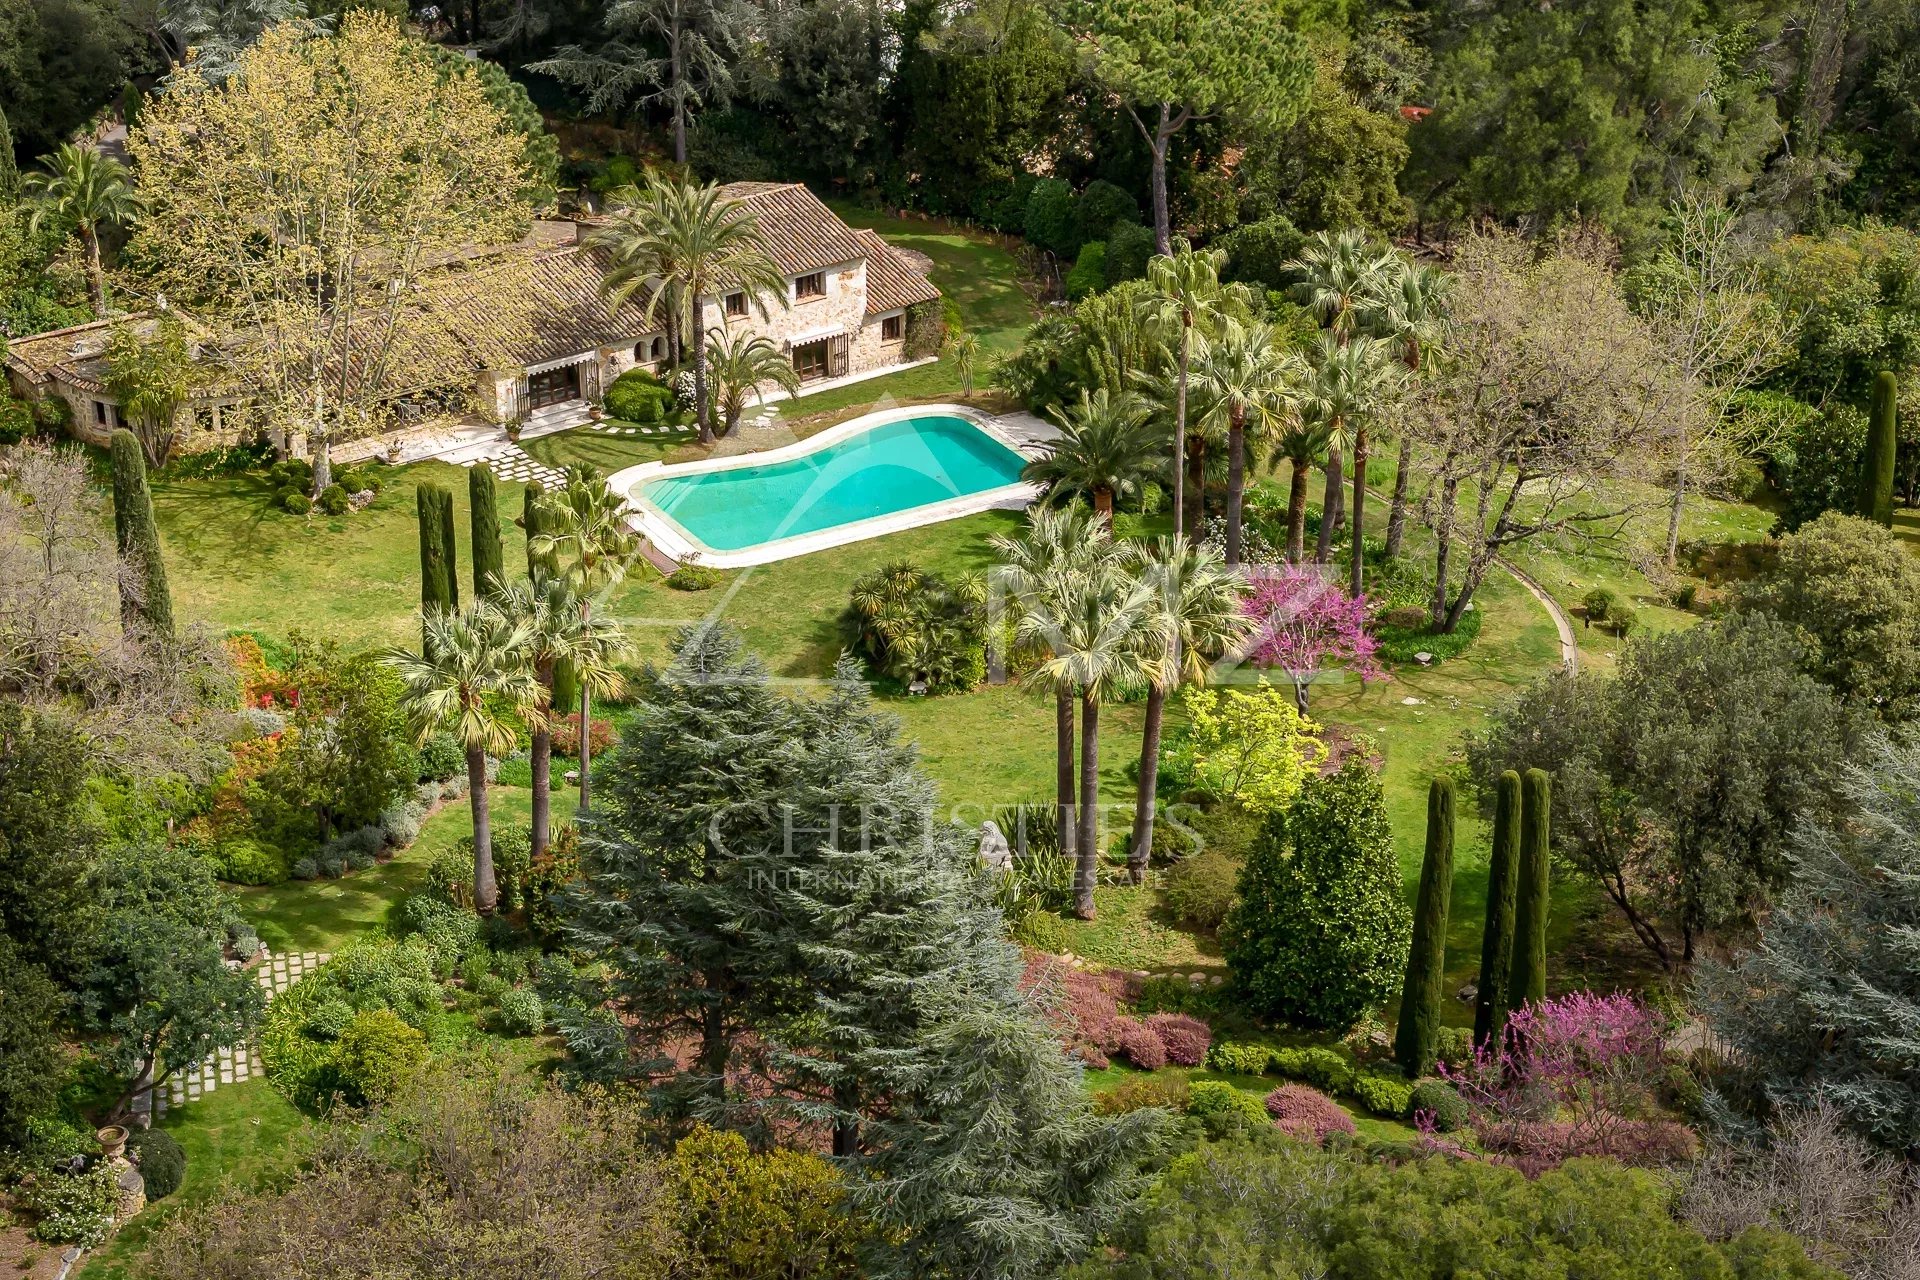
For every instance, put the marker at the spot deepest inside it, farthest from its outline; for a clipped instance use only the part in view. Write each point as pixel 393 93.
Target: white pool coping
pixel 668 535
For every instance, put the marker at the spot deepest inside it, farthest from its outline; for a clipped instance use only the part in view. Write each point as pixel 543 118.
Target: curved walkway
pixel 1569 647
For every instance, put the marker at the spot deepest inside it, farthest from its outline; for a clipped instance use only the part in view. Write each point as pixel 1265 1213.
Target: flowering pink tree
pixel 1304 624
pixel 1576 1076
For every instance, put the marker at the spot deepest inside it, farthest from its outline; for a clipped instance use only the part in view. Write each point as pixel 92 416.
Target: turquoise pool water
pixel 896 466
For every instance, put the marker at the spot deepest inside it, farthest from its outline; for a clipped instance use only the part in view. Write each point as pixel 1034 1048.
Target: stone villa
pixel 845 313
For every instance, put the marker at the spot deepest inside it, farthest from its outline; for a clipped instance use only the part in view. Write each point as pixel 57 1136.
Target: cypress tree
pixel 1496 941
pixel 1419 1031
pixel 145 603
pixel 489 558
pixel 533 520
pixel 450 550
pixel 1528 978
pixel 1876 460
pixel 435 506
pixel 9 171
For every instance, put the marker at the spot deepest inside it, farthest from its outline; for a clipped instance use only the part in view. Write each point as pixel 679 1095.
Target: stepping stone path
pixel 612 428
pixel 509 461
pixel 230 1066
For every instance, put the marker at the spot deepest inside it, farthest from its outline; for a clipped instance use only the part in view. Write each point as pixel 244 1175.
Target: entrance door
pixel 553 386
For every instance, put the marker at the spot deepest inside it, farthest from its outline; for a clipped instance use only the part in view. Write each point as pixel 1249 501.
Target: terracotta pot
pixel 112 1140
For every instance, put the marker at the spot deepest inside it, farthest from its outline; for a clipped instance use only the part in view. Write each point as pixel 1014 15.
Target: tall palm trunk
pixel 1197 480
pixel 1297 511
pixel 1063 807
pixel 1236 480
pixel 1329 508
pixel 486 892
pixel 540 761
pixel 96 273
pixel 1103 507
pixel 1359 558
pixel 1180 428
pixel 586 727
pixel 702 411
pixel 1397 513
pixel 1088 854
pixel 1147 794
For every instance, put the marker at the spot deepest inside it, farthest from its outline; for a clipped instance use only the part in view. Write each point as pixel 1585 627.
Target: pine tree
pixel 1419 1032
pixel 1527 981
pixel 489 556
pixel 1496 939
pixel 145 603
pixel 1875 500
pixel 1823 1009
pixel 435 508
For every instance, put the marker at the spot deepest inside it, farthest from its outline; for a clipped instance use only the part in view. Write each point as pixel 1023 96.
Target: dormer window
pixel 736 305
pixel 811 286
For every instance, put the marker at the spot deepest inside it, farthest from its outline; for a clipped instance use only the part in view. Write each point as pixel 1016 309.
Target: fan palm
pixel 1349 381
pixel 1105 451
pixel 1410 315
pixel 740 365
pixel 583 527
pixel 673 246
pixel 1344 278
pixel 1038 571
pixel 1194 616
pixel 1247 376
pixel 1184 295
pixel 1103 615
pixel 88 190
pixel 474 663
pixel 556 633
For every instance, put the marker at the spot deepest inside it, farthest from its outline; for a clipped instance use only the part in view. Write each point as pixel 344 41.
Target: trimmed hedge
pixel 1383 1095
pixel 638 396
pixel 1240 1059
pixel 1440 1100
pixel 163 1165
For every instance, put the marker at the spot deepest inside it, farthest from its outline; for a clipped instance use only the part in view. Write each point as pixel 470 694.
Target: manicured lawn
pixel 1369 1127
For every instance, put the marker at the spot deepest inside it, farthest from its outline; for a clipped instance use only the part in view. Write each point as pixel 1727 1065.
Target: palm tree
pixel 740 365
pixel 1098 650
pixel 1410 314
pixel 1038 571
pixel 583 525
pixel 1105 451
pixel 556 632
pixel 963 348
pixel 1184 294
pixel 1300 444
pixel 1194 617
pixel 1345 277
pixel 675 245
pixel 1349 380
pixel 89 190
pixel 474 666
pixel 1246 375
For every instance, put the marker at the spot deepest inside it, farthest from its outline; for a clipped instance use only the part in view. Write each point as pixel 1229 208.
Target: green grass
pixel 240 1135
pixel 1367 1126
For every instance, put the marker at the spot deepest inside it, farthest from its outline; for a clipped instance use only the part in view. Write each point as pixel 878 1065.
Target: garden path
pixel 274 973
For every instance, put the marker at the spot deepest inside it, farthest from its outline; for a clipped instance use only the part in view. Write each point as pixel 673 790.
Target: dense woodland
pixel 1372 331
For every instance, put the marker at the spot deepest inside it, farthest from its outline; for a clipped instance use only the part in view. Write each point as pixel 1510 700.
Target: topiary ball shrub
pixel 1623 620
pixel 333 500
pixel 1440 1105
pixel 296 502
pixel 638 396
pixel 1240 1059
pixel 378 1053
pixel 521 1013
pixel 1383 1095
pixel 1598 605
pixel 163 1165
pixel 1139 1045
pixel 1307 1114
pixel 1169 1091
pixel 1185 1037
pixel 1200 889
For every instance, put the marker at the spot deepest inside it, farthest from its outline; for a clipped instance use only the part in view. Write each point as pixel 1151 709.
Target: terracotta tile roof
pixel 565 312
pixel 802 234
pixel 892 281
pixel 71 354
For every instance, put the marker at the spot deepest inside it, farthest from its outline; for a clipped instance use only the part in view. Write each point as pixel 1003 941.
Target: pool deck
pixel 1024 433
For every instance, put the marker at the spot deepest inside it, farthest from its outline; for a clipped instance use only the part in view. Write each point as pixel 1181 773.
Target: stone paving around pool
pixel 275 974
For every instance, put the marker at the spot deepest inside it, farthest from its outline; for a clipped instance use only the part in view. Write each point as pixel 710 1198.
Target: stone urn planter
pixel 112 1140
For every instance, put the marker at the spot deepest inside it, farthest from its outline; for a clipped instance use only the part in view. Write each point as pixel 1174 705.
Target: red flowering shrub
pixel 1186 1038
pixel 1307 1114
pixel 1083 1006
pixel 566 736
pixel 1139 1044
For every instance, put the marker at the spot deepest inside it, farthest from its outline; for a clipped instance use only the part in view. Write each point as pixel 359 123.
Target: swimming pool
pixel 892 468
